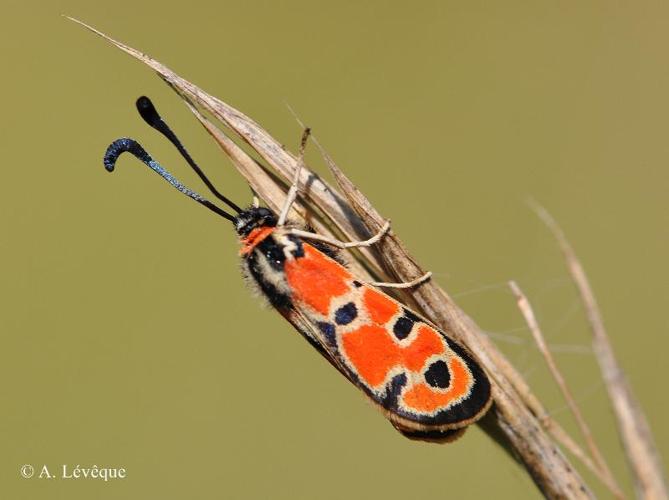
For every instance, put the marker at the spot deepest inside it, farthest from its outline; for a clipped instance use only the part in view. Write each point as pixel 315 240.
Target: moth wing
pixel 403 325
pixel 421 378
pixel 312 335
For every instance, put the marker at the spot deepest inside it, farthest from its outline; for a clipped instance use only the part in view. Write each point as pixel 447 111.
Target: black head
pixel 247 220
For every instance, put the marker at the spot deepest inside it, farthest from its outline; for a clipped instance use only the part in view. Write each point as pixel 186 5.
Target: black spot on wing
pixel 328 329
pixel 393 391
pixel 402 327
pixel 346 313
pixel 437 375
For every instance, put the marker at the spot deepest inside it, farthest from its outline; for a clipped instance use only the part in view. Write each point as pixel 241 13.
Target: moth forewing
pixel 423 381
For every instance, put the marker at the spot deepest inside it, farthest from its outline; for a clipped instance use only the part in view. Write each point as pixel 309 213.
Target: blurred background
pixel 128 336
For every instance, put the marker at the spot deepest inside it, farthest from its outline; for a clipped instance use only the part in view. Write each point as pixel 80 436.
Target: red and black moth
pixel 426 384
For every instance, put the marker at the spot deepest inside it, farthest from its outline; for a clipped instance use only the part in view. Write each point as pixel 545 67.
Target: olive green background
pixel 128 338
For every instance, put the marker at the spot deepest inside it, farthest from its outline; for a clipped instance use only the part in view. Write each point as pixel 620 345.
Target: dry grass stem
pixel 548 423
pixel 528 313
pixel 641 453
pixel 517 420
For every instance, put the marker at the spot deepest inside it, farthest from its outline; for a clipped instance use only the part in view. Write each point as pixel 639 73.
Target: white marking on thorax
pixel 287 245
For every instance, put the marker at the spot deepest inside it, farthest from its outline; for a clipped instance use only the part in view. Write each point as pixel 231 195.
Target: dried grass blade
pixel 528 313
pixel 641 452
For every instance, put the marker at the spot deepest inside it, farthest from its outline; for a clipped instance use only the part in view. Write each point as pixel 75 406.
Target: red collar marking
pixel 254 238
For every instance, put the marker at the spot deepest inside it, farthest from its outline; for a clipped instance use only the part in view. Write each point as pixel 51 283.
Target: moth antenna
pixel 150 115
pixel 125 145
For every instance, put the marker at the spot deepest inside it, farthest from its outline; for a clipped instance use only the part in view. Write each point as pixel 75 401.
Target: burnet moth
pixel 427 385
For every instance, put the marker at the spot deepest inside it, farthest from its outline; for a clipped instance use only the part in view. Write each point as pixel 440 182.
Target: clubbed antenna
pixel 125 145
pixel 150 115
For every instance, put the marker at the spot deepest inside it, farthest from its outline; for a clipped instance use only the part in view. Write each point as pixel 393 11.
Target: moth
pixel 426 384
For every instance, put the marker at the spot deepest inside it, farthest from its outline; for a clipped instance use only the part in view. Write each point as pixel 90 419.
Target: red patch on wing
pixel 373 352
pixel 379 306
pixel 316 279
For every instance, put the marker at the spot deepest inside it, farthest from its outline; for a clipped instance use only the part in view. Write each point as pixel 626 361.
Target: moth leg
pixel 342 244
pixel 255 201
pixel 294 187
pixel 404 284
pixel 365 243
